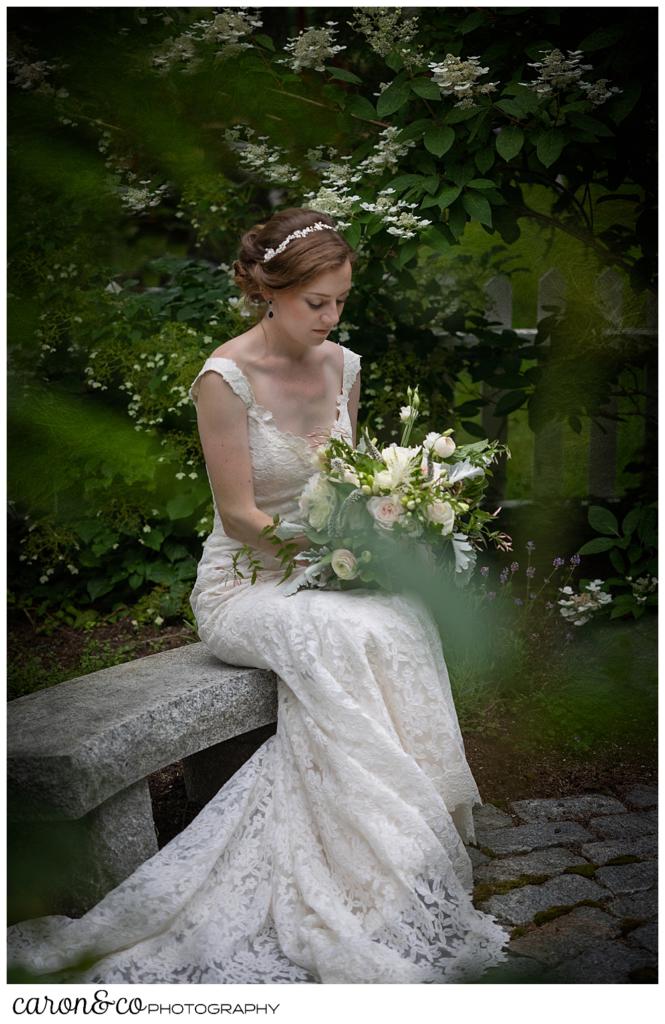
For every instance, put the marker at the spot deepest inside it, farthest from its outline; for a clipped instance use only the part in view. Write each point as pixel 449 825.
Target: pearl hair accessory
pixel 319 226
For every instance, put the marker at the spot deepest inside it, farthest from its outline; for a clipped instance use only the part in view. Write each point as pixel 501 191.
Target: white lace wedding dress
pixel 336 853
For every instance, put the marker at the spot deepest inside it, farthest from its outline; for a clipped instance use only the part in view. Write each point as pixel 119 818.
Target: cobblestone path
pixel 575 879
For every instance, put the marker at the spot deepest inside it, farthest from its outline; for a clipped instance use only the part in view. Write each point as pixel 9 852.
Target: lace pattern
pixel 336 853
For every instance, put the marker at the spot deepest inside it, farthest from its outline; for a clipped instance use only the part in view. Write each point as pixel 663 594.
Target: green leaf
pixel 602 520
pixel 509 141
pixel 404 181
pixel 99 586
pixel 631 520
pixel 457 218
pixel 431 183
pixel 473 428
pixel 153 539
pixel 600 38
pixel 594 547
pixel 511 107
pixel 264 41
pixel 393 98
pixel 360 106
pixel 549 146
pixel 352 234
pixel 590 124
pixel 344 76
pixel 182 505
pixel 448 195
pixel 509 402
pixel 439 139
pixel 481 183
pixel 484 159
pixel 478 208
pixel 459 114
pixel 426 88
pixel 415 130
pixel 617 560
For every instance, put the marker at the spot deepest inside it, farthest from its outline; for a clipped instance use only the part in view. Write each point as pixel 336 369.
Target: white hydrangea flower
pixel 311 48
pixel 457 77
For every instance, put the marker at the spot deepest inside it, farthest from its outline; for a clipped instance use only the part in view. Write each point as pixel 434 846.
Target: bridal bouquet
pixel 368 509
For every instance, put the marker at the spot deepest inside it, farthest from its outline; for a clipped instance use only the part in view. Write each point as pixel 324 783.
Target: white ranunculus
pixel 386 510
pixel 318 501
pixel 463 470
pixel 344 564
pixel 440 445
pixel 443 513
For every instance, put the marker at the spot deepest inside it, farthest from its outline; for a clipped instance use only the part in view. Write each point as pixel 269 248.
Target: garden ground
pixel 505 765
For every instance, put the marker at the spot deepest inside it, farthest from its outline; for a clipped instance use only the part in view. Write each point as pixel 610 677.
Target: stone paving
pixel 575 881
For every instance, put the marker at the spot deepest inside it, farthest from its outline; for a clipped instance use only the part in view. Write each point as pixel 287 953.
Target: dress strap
pixel 231 373
pixel 351 370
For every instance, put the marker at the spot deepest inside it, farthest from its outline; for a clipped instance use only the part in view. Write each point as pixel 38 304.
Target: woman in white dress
pixel 336 853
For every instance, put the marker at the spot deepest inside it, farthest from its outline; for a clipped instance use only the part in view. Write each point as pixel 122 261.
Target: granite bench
pixel 80 753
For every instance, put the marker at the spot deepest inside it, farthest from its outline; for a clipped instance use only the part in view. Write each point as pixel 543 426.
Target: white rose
pixel 344 564
pixel 386 510
pixel 440 445
pixel 318 501
pixel 441 512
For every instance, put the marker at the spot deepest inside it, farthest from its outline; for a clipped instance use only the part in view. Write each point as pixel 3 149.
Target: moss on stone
pixel 587 870
pixel 486 889
pixel 625 858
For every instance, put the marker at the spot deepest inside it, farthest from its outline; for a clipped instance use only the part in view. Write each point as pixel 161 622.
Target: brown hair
pixel 302 260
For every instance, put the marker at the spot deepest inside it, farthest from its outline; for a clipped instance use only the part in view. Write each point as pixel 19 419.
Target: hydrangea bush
pixel 398 127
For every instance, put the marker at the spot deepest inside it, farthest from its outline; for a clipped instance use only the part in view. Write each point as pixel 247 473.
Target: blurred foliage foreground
pixel 144 141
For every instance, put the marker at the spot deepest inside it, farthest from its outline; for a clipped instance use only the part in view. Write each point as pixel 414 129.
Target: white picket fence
pixel 548 447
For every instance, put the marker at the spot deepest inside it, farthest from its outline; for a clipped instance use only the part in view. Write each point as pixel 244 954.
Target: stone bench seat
pixel 81 751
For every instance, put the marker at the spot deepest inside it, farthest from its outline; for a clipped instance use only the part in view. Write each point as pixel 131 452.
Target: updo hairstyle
pixel 301 261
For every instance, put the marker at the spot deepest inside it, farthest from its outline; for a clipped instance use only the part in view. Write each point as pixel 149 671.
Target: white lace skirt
pixel 336 853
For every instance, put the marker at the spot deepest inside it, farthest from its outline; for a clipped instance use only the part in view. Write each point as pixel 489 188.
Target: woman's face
pixel 310 312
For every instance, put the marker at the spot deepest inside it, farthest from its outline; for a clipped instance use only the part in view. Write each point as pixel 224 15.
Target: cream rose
pixel 442 513
pixel 344 564
pixel 318 501
pixel 440 445
pixel 385 510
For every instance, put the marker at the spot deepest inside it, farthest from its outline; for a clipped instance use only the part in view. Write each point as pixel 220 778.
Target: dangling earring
pixel 270 312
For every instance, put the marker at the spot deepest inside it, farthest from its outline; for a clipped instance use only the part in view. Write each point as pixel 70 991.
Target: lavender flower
pixel 575 559
pixel 531 571
pixel 558 562
pixel 530 546
pixel 514 566
pixel 484 570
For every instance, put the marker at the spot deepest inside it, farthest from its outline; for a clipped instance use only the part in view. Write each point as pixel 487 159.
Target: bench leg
pixel 65 867
pixel 121 836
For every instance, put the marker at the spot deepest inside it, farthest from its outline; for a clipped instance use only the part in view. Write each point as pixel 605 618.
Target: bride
pixel 336 853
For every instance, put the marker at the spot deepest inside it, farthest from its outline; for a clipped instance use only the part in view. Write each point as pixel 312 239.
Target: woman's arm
pixel 354 399
pixel 222 423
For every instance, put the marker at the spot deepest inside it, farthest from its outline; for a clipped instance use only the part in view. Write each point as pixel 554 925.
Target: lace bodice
pixel 282 463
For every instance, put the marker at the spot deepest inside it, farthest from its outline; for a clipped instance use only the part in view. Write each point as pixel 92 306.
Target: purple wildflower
pixel 530 546
pixel 558 562
pixel 484 570
pixel 514 566
pixel 531 571
pixel 518 600
pixel 575 559
pixel 503 576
